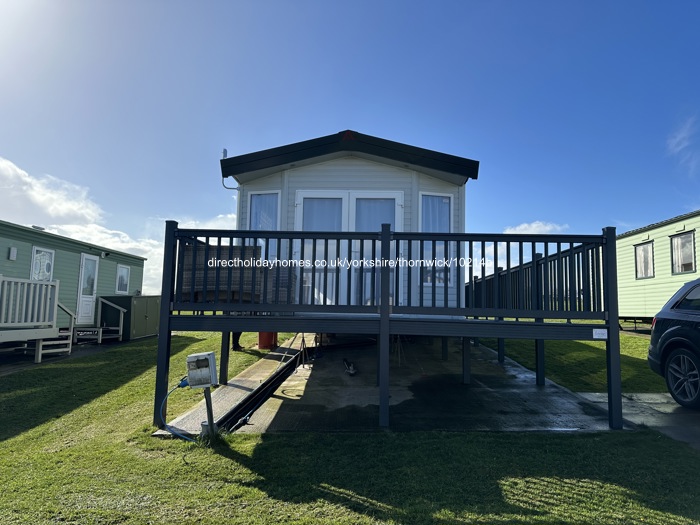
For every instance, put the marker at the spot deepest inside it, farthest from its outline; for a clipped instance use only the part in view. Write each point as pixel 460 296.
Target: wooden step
pixel 58 345
pixel 95 333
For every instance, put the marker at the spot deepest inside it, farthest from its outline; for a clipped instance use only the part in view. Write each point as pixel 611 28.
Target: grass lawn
pixel 76 447
pixel 580 365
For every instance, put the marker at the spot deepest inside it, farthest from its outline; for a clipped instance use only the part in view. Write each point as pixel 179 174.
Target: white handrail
pixel 25 303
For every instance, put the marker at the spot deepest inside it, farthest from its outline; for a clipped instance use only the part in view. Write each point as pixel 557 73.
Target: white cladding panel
pixel 352 174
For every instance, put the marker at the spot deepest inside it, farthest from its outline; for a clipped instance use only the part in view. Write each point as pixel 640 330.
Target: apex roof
pixel 250 166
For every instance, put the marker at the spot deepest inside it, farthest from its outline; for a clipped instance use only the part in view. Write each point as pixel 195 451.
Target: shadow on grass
pixel 452 478
pixel 33 396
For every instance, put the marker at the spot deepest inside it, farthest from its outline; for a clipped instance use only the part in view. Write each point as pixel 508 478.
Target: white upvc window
pixel 42 264
pixel 435 211
pixel 264 215
pixel 263 210
pixel 123 275
pixel 644 260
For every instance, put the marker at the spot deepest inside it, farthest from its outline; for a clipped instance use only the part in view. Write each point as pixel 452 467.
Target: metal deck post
pixel 539 362
pixel 612 344
pixel 164 335
pixel 384 336
pixel 225 351
pixel 466 362
pixel 536 282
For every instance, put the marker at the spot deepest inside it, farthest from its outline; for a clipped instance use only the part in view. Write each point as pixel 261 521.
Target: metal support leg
pixel 501 350
pixel 164 336
pixel 539 361
pixel 612 346
pixel 384 336
pixel 211 425
pixel 225 351
pixel 466 362
pixel 612 357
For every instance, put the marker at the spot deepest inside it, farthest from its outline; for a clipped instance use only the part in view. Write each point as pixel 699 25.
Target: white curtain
pixel 322 214
pixel 435 210
pixel 645 260
pixel 370 214
pixel 435 218
pixel 682 249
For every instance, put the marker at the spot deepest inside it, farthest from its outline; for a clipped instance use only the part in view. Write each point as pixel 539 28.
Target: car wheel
pixel 683 377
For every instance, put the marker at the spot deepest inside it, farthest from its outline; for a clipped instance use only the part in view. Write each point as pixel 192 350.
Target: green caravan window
pixel 123 274
pixel 683 253
pixel 644 260
pixel 42 264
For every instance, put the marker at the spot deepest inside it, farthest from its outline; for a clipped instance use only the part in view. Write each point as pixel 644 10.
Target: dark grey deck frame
pixel 538 287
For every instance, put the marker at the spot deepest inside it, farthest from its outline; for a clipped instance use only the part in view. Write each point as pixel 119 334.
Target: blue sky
pixel 114 114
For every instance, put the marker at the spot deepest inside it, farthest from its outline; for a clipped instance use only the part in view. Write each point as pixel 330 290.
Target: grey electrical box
pixel 201 370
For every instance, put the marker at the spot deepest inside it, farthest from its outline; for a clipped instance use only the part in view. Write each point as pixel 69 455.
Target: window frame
pixel 35 249
pixel 439 273
pixel 435 194
pixel 636 265
pixel 121 267
pixel 250 207
pixel 691 233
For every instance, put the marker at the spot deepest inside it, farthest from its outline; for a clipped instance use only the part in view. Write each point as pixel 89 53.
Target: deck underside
pixel 452 326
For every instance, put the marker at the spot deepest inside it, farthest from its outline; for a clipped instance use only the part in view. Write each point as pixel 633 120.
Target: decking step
pixel 56 342
pixel 96 333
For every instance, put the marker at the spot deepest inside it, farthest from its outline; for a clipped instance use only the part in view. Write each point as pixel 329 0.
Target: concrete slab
pixel 225 397
pixel 657 411
pixel 426 394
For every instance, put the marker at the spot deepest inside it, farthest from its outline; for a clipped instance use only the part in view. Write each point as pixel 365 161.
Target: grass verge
pixel 580 365
pixel 75 447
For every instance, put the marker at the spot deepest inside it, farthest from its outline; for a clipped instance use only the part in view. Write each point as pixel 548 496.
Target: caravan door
pixel 87 289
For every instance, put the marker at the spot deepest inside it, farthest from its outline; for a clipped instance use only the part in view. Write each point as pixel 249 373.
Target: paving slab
pixel 427 393
pixel 657 411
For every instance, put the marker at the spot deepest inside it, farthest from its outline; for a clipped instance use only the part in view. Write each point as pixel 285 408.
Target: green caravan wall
pixel 66 268
pixel 643 298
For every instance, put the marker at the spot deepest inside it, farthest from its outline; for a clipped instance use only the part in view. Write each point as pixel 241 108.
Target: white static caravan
pixel 350 182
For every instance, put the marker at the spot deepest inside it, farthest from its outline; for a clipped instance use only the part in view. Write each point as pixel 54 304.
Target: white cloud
pixel 32 200
pixel 151 249
pixel 67 209
pixel 682 145
pixel 220 222
pixel 537 227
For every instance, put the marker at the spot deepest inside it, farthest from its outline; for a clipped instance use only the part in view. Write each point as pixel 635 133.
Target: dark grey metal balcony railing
pixel 294 272
pixel 462 284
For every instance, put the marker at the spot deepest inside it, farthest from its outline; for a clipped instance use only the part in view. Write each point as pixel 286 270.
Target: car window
pixel 691 301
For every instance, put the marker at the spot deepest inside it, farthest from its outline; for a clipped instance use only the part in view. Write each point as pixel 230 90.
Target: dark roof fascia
pixel 660 224
pixel 269 160
pixel 49 237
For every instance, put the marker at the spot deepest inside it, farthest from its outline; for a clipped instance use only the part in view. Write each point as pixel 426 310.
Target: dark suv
pixel 674 350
